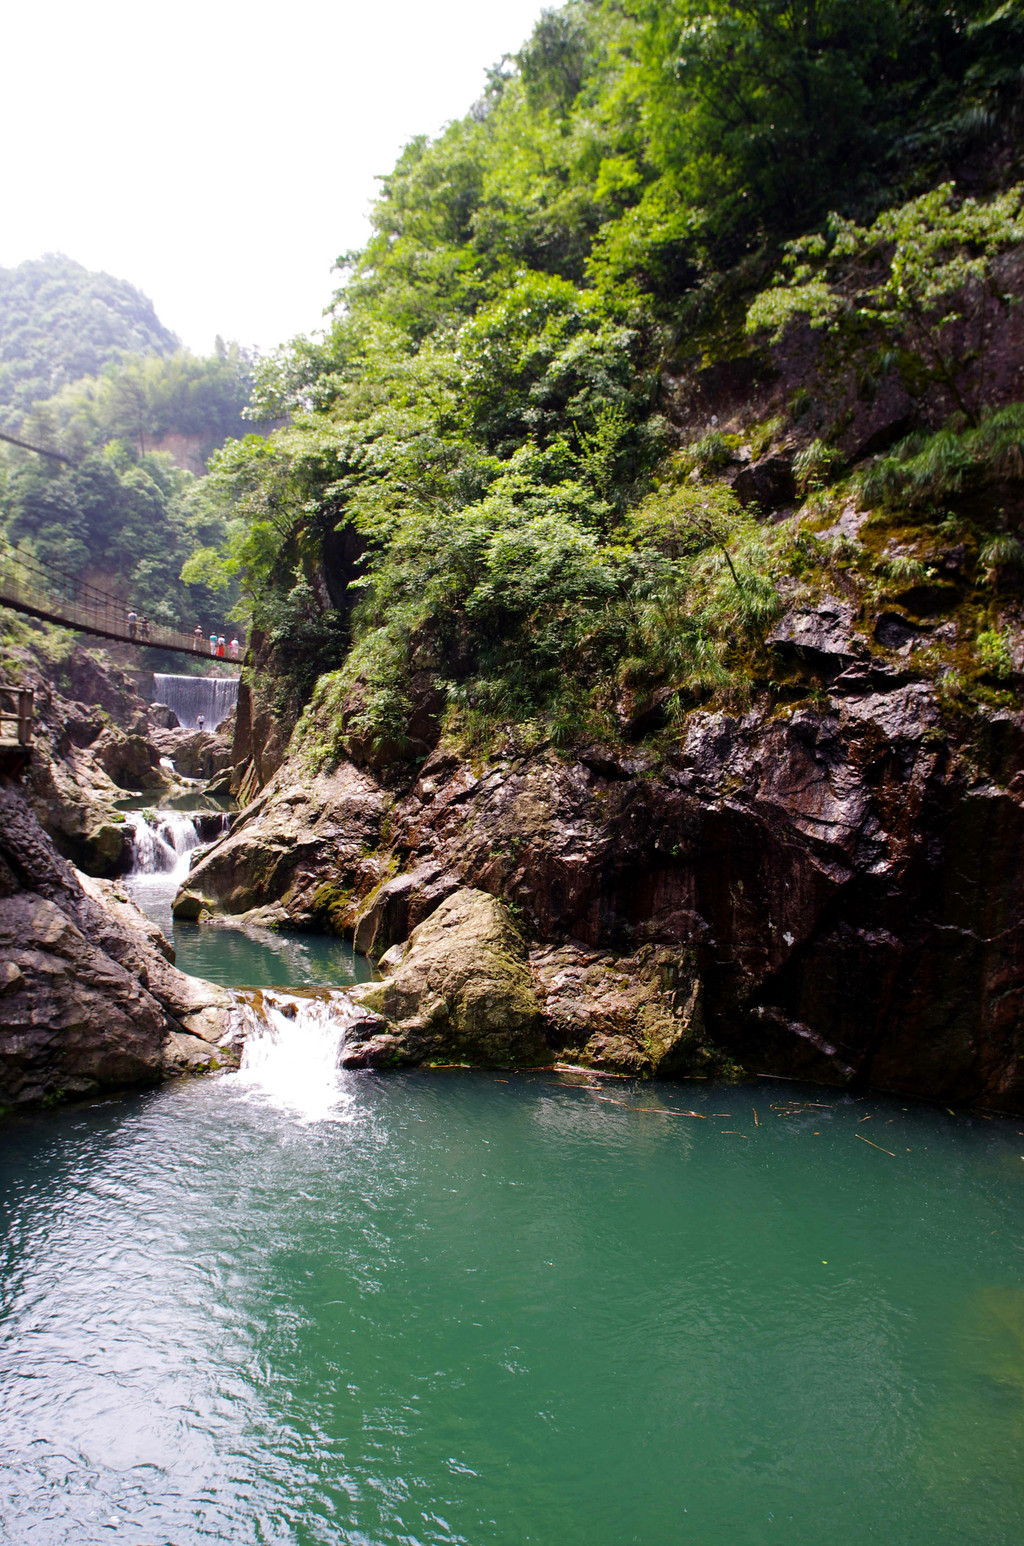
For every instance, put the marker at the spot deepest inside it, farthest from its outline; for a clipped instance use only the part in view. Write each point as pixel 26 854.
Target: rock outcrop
pixel 639 1014
pixel 299 855
pixel 459 990
pixel 88 997
pixel 194 753
pixel 91 749
pixel 829 891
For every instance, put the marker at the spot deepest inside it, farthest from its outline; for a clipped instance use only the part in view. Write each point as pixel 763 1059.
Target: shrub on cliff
pixel 484 428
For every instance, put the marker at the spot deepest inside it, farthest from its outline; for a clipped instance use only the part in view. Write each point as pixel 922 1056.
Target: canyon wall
pixel 828 890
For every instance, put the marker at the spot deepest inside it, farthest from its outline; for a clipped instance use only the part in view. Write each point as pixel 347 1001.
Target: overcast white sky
pixel 221 155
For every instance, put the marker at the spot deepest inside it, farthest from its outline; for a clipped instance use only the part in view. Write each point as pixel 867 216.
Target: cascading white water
pixel 292 1050
pixel 189 696
pixel 162 842
pixel 291 1041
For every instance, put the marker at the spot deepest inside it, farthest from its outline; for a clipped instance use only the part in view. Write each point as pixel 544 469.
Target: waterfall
pixel 291 1050
pixel 162 841
pixel 189 696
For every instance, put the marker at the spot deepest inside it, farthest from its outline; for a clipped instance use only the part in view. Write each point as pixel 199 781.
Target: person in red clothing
pixel 220 647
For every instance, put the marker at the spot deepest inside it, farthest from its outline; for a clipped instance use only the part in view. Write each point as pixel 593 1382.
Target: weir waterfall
pixel 214 697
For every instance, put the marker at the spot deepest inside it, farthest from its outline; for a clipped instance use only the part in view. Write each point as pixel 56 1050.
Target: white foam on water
pixel 162 842
pixel 292 1050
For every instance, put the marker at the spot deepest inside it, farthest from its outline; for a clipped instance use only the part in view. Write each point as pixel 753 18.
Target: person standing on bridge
pixel 220 647
pixel 213 644
pixel 233 647
pixel 133 624
pixel 145 630
pixel 198 636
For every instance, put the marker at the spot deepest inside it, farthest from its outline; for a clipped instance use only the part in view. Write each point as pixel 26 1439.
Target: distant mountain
pixel 59 322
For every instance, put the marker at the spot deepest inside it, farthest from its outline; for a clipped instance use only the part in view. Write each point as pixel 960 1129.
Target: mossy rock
pixel 459 989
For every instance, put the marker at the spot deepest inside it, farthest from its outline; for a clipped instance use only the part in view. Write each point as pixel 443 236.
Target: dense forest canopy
pixel 146 399
pixel 492 485
pixel 128 522
pixel 59 322
pixel 482 452
pixel 90 370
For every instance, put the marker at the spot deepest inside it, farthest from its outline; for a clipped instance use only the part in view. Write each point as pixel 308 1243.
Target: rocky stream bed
pixel 829 891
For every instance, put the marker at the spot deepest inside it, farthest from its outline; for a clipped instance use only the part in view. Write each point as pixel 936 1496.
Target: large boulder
pixel 458 990
pixel 639 1014
pixel 194 753
pixel 162 717
pixel 88 997
pixel 302 854
pixel 72 1020
pixel 132 761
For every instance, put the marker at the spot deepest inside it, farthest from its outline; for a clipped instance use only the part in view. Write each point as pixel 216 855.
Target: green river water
pixel 493 1309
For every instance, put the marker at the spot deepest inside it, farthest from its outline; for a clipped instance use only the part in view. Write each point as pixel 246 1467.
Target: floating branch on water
pixel 877 1146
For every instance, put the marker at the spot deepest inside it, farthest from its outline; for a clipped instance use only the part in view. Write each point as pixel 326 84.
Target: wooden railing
pixel 16 711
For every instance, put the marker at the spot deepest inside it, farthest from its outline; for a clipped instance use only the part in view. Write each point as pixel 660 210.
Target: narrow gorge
pixel 512 799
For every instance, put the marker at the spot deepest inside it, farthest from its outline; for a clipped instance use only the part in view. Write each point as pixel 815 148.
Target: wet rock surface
pixel 837 888
pixel 458 990
pixel 88 997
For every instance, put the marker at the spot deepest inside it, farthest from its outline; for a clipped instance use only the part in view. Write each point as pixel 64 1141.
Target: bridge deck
pixel 37 590
pixel 83 621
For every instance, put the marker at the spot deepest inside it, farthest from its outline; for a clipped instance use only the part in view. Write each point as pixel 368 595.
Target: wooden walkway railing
pixel 41 590
pixel 16 711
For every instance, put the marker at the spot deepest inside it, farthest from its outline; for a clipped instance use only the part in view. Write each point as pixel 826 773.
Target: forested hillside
pixel 88 369
pixel 150 401
pixel 59 321
pixel 687 267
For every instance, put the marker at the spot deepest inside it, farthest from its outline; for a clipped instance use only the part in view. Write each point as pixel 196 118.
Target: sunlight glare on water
pixel 491 1309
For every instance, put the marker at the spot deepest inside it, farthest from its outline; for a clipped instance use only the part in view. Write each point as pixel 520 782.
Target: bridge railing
pixel 16 708
pixel 45 591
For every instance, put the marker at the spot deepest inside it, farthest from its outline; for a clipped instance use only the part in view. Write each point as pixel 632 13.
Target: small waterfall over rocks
pixel 291 1050
pixel 189 696
pixel 290 1040
pixel 163 841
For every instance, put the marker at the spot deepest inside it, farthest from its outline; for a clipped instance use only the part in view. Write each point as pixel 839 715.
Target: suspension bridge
pixel 44 591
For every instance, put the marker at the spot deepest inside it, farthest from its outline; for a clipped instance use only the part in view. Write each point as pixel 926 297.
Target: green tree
pixel 59 322
pixel 912 282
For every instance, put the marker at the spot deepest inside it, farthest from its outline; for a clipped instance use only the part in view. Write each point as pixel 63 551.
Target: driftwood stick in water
pixel 877 1146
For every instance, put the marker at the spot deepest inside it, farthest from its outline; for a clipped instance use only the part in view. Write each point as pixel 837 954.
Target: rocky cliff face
pixel 830 890
pixel 88 996
pixel 94 741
